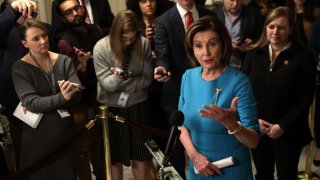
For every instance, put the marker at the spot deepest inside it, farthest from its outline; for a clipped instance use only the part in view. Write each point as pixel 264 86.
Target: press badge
pixel 63 113
pixel 123 99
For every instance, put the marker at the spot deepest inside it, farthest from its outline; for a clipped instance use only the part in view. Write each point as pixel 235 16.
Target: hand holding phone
pixel 149 29
pixel 76 85
pixel 120 73
pixel 80 50
pixel 241 43
pixel 161 72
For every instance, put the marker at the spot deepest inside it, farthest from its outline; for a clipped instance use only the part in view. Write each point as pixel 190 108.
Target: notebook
pixel 30 118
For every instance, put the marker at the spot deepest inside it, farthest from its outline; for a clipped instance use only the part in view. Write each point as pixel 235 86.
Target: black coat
pixel 284 95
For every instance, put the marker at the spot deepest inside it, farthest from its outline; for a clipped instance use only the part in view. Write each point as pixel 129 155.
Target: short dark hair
pixel 56 4
pixel 161 7
pixel 29 24
pixel 212 24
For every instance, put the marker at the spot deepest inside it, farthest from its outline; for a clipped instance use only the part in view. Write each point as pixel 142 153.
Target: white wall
pixel 116 6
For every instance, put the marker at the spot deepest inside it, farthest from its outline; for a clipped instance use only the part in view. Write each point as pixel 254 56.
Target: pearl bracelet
pixel 237 130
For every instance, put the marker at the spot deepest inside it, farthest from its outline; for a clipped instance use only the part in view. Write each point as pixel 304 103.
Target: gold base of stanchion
pixel 303 175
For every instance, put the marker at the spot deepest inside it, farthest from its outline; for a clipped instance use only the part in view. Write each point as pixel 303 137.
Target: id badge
pixel 63 113
pixel 123 99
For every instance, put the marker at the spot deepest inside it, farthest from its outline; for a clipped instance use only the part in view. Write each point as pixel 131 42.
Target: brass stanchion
pixel 307 174
pixel 104 118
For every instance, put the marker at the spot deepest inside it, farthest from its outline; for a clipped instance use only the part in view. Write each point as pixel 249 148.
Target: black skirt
pixel 126 142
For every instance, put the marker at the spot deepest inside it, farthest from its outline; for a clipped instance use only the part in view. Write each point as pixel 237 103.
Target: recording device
pixel 176 119
pixel 77 85
pixel 80 49
pixel 34 14
pixel 121 72
pixel 161 72
pixel 2 108
pixel 241 43
pixel 150 22
pixel 167 171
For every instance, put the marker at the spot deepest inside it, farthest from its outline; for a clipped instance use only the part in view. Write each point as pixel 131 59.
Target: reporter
pixel 122 62
pixel 35 79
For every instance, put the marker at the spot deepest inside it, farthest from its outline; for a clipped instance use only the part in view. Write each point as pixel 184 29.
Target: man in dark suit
pixel 244 24
pixel 100 15
pixel 172 60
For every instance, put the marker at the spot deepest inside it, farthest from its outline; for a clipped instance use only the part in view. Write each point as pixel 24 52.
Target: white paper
pixel 220 164
pixel 30 118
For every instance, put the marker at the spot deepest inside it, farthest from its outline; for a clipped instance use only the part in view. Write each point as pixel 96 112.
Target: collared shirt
pixel 183 14
pixel 234 31
pixel 233 26
pixel 89 10
pixel 270 54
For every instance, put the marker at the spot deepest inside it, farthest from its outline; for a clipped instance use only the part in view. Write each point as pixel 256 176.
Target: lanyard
pixel 46 74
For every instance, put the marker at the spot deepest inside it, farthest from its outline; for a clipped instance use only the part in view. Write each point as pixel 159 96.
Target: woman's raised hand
pixel 227 117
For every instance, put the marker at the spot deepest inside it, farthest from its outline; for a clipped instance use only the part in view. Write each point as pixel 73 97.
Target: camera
pixel 162 72
pixel 34 14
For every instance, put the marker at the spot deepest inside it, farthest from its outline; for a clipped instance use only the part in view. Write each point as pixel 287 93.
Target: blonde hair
pixel 124 22
pixel 274 14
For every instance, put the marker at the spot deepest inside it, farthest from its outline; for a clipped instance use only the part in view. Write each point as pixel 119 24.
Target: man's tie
pixel 189 19
pixel 85 12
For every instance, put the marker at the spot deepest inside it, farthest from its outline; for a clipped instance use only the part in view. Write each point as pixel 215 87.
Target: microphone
pixel 176 119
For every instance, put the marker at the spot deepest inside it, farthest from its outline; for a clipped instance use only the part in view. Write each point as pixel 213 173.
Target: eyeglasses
pixel 68 12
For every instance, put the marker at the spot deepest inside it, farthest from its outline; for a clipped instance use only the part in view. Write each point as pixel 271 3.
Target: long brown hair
pixel 274 14
pixel 215 25
pixel 124 22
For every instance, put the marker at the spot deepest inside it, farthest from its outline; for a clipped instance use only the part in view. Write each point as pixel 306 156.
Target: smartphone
pixel 150 22
pixel 121 72
pixel 34 14
pixel 77 85
pixel 240 43
pixel 162 72
pixel 80 49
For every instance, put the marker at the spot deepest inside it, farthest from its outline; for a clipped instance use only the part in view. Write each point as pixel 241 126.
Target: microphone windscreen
pixel 176 118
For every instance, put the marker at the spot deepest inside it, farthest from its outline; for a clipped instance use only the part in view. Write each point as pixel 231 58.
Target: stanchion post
pixel 104 118
pixel 307 174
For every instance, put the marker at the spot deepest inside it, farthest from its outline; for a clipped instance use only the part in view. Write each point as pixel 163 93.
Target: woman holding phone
pixel 35 79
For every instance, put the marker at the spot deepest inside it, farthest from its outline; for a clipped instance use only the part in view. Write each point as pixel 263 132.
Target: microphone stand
pixel 162 173
pixel 168 157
